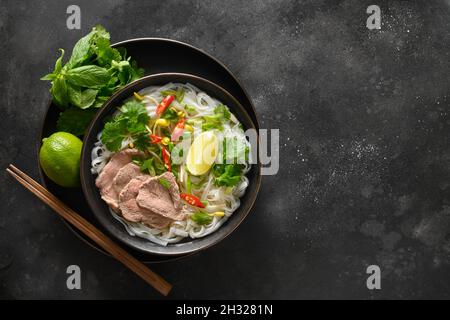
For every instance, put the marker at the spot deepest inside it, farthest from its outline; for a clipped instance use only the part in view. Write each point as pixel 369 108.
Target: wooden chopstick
pixel 89 230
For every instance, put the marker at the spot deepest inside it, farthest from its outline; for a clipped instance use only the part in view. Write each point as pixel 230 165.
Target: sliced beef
pixel 156 197
pixel 131 211
pixel 125 175
pixel 105 180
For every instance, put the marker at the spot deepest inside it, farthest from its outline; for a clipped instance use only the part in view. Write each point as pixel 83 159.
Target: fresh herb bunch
pixel 93 73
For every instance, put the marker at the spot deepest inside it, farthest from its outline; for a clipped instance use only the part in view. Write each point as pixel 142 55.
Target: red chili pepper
pixel 166 159
pixel 155 139
pixel 192 200
pixel 178 131
pixel 164 105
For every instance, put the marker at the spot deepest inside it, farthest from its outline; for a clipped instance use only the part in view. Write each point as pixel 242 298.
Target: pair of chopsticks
pixel 89 230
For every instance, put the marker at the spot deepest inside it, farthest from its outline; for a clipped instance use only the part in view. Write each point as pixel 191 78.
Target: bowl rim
pixel 210 56
pixel 86 162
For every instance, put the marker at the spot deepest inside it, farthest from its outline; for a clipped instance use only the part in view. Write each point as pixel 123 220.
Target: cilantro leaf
pixel 215 121
pixel 74 120
pixel 130 122
pixel 136 116
pixel 113 133
pixel 142 141
pixel 227 174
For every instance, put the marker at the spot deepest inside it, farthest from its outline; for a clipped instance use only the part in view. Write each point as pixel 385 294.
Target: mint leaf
pixel 90 67
pixel 75 121
pixel 81 51
pixel 82 99
pixel 84 48
pixel 59 91
pixel 50 76
pixel 58 63
pixel 88 76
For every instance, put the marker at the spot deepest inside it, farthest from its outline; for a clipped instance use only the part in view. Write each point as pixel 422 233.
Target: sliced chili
pixel 166 159
pixel 165 103
pixel 192 200
pixel 155 139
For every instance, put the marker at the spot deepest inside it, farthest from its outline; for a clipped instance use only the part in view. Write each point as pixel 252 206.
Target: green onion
pixel 180 95
pixel 164 183
pixel 189 184
pixel 201 218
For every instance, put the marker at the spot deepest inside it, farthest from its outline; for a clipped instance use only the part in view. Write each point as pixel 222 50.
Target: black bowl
pixel 99 207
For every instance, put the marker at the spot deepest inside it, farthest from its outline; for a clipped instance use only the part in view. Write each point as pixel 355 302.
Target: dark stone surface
pixel 365 166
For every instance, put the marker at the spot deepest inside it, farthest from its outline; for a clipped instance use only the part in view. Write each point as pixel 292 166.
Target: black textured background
pixel 365 160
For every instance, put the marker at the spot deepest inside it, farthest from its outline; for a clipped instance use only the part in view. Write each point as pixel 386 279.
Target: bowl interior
pixel 100 208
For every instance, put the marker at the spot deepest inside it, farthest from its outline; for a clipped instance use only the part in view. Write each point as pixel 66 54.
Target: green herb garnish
pixel 215 121
pixel 147 166
pixel 164 183
pixel 227 174
pixel 170 114
pixel 75 120
pixel 179 94
pixel 129 123
pixel 201 218
pixel 190 109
